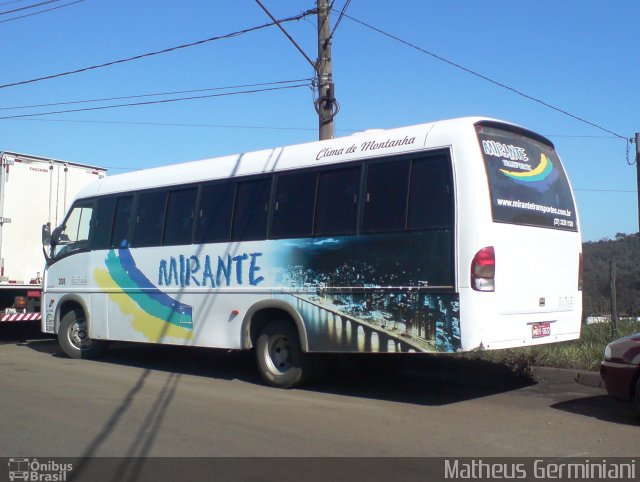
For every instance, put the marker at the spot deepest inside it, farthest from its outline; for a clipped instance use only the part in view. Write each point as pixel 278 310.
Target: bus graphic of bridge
pixel 336 325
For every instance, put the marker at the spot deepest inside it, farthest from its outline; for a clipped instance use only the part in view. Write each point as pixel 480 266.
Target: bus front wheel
pixel 73 337
pixel 280 358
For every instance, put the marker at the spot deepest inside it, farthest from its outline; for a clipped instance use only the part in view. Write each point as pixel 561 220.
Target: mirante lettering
pixel 210 272
pixel 498 149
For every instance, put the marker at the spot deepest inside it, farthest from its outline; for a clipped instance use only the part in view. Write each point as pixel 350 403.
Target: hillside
pixel 625 248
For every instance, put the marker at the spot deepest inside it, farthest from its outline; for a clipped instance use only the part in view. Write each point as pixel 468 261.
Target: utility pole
pixel 325 105
pixel 638 176
pixel 326 102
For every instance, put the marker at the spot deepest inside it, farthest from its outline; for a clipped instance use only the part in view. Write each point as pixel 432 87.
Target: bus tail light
pixel 580 267
pixel 483 270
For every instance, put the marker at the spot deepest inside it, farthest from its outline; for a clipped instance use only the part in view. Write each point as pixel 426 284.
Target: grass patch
pixel 583 354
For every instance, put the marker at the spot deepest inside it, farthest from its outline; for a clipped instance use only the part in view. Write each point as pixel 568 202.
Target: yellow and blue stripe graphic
pixel 154 314
pixel 540 177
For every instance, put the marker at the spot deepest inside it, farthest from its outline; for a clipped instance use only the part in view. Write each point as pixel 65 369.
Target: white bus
pixel 442 237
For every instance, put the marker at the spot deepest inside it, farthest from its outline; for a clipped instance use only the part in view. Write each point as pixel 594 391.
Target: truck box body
pixel 33 191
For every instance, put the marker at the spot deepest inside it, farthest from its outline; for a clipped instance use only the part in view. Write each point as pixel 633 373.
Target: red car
pixel 620 369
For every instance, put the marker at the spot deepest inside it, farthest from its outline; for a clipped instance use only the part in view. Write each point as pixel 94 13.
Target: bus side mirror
pixel 55 235
pixel 46 234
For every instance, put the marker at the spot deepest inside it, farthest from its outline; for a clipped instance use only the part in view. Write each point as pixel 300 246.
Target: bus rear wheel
pixel 73 337
pixel 281 361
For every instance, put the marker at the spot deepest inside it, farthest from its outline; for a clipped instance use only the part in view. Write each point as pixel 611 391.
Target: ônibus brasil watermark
pixel 32 469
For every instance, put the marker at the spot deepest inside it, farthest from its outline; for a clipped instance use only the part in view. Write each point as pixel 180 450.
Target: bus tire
pixel 281 361
pixel 74 340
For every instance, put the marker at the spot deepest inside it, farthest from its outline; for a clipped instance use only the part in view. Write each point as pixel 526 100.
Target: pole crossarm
pixel 291 39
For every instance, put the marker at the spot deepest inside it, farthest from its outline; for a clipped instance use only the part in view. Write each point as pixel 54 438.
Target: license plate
pixel 539 330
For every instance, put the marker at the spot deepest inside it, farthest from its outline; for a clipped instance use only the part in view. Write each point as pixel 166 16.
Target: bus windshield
pixel 73 234
pixel 527 182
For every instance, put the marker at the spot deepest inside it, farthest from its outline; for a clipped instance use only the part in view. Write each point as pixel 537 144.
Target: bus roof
pixel 361 145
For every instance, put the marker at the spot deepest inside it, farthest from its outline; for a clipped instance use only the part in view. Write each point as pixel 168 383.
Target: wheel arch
pixel 262 312
pixel 69 303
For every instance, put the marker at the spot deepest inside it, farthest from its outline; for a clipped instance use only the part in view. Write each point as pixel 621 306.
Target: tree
pixel 597 255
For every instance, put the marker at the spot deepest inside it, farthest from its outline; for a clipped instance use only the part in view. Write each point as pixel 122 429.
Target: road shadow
pixel 204 362
pixel 11 333
pixel 602 407
pixel 423 379
pixel 410 378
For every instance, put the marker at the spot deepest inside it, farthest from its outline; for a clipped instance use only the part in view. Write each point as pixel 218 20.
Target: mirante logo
pixel 539 177
pixel 539 173
pixel 23 468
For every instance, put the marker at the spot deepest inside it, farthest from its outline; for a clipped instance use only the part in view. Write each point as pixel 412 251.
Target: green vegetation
pixel 587 352
pixel 625 249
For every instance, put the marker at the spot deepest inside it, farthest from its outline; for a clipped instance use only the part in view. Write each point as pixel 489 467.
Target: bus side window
pixel 431 194
pixel 214 213
pixel 293 208
pixel 180 214
pixel 385 203
pixel 149 219
pixel 121 222
pixel 337 202
pixel 251 210
pixel 103 223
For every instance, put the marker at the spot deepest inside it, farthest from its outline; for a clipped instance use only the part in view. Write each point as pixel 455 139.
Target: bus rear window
pixel 527 183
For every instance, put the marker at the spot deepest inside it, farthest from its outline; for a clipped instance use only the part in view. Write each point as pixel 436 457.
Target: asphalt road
pixel 142 400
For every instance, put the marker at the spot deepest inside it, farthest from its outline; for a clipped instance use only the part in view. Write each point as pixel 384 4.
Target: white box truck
pixel 33 191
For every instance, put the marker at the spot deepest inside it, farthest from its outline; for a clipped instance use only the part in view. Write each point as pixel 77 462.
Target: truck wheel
pixel 280 358
pixel 73 337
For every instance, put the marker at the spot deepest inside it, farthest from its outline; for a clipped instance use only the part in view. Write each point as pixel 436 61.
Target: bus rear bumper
pixel 521 342
pixel 519 330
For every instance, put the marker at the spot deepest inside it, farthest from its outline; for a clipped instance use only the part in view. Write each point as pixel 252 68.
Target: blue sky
pixel 576 56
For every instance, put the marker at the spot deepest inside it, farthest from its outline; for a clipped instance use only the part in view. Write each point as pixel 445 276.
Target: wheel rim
pixel 279 354
pixel 78 335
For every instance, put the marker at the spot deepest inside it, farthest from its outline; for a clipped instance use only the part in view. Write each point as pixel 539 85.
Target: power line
pixel 583 136
pixel 138 96
pixel 291 39
pixel 236 126
pixel 163 101
pixel 341 15
pixel 41 11
pixel 607 190
pixel 484 77
pixel 343 12
pixel 158 52
pixel 178 124
pixel 12 1
pixel 29 7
